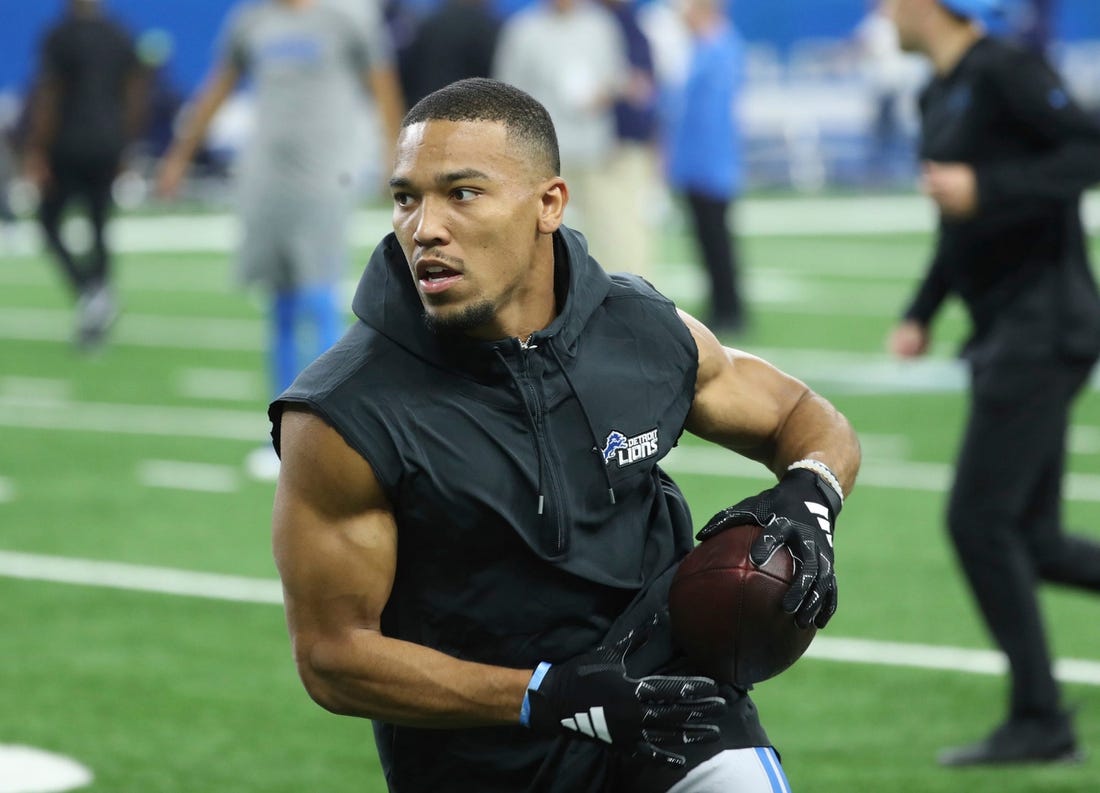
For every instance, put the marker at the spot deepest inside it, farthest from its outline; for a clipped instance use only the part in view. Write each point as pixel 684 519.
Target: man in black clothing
pixel 86 105
pixel 473 532
pixel 1006 156
pixel 455 41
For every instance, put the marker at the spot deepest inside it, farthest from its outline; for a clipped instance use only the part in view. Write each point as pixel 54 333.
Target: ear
pixel 554 197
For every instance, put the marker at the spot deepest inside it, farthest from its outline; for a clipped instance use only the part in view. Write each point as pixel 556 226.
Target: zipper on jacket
pixel 542 448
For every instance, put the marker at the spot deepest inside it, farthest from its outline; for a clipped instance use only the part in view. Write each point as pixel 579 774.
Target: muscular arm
pixel 749 406
pixel 336 546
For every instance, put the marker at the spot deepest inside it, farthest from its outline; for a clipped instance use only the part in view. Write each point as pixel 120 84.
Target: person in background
pixel 632 173
pixel 455 41
pixel 570 55
pixel 310 64
pixel 1006 154
pixel 86 106
pixel 704 152
pixel 888 74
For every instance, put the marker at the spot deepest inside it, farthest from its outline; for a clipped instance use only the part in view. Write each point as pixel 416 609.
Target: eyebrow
pixel 444 179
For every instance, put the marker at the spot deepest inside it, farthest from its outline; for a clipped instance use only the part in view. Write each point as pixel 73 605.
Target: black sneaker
pixel 1020 740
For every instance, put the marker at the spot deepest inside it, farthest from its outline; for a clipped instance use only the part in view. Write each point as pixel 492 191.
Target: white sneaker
pixel 96 312
pixel 262 464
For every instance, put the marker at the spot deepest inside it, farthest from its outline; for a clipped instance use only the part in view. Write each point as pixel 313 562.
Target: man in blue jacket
pixel 704 152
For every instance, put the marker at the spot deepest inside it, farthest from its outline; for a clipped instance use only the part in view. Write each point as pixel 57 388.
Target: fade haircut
pixel 482 99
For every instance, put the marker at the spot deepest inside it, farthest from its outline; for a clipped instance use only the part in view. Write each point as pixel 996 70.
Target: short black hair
pixel 482 99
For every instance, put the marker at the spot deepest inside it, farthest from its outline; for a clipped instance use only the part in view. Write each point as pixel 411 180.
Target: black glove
pixel 800 513
pixel 591 696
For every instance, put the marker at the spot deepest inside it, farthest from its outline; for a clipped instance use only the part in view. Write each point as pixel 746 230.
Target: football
pixel 727 614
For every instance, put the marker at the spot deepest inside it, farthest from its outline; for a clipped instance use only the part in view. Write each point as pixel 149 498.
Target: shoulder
pixel 350 388
pixel 351 362
pixel 628 286
pixel 998 57
pixel 246 14
pixel 638 303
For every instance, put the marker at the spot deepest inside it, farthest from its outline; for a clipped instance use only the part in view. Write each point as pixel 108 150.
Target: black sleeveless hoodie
pixel 530 508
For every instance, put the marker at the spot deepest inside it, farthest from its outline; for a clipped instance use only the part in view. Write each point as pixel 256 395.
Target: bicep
pixel 741 401
pixel 334 535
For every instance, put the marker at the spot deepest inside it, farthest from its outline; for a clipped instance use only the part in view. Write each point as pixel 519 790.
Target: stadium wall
pixel 193 25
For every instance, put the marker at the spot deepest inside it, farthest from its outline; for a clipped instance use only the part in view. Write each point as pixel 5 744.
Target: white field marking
pixel 927 656
pixel 151 420
pixel 781 291
pixel 114 575
pixel 894 474
pixel 868 373
pixel 178 475
pixel 50 389
pixel 7 490
pixel 241 425
pixel 26 769
pixel 231 385
pixel 818 216
pixel 139 578
pixel 139 330
pixel 1084 440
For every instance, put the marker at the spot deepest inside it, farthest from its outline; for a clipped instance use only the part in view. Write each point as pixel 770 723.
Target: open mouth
pixel 435 277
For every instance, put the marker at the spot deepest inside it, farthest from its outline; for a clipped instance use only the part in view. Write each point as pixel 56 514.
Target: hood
pixel 386 300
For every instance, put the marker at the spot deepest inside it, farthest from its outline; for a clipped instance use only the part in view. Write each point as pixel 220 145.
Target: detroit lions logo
pixel 625 451
pixel 615 441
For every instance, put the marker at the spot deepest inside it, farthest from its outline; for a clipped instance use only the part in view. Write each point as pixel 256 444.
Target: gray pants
pixel 754 770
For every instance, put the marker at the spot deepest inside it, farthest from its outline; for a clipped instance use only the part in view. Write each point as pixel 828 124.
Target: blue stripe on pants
pixel 774 771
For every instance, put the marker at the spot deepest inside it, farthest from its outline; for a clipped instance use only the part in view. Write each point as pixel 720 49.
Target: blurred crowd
pixel 826 112
pixel 662 108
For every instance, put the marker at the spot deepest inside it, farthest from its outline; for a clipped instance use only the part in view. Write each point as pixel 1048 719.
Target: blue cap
pixel 973 9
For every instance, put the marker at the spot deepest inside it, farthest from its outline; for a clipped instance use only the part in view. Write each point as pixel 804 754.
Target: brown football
pixel 727 613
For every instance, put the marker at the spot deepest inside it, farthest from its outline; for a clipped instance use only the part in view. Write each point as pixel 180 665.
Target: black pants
pixel 1005 514
pixel 710 222
pixel 88 178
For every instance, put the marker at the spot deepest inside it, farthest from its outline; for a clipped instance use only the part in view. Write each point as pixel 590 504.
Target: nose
pixel 431 230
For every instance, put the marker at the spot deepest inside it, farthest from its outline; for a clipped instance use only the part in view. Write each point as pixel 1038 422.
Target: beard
pixel 461 322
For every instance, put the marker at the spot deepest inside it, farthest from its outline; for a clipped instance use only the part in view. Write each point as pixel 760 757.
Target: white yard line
pixel 891 474
pixel 7 490
pixel 163 580
pixel 48 388
pixel 230 385
pixel 927 656
pixel 819 216
pixel 138 330
pixel 116 575
pixel 179 475
pixel 252 426
pixel 151 420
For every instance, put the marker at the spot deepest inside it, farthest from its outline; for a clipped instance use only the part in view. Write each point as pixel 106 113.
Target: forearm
pixel 138 87
pixel 42 128
pixel 369 675
pixel 933 289
pixel 1060 175
pixel 384 86
pixel 197 120
pixel 816 430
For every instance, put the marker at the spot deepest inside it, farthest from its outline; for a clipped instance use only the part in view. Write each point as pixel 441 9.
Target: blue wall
pixel 194 25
